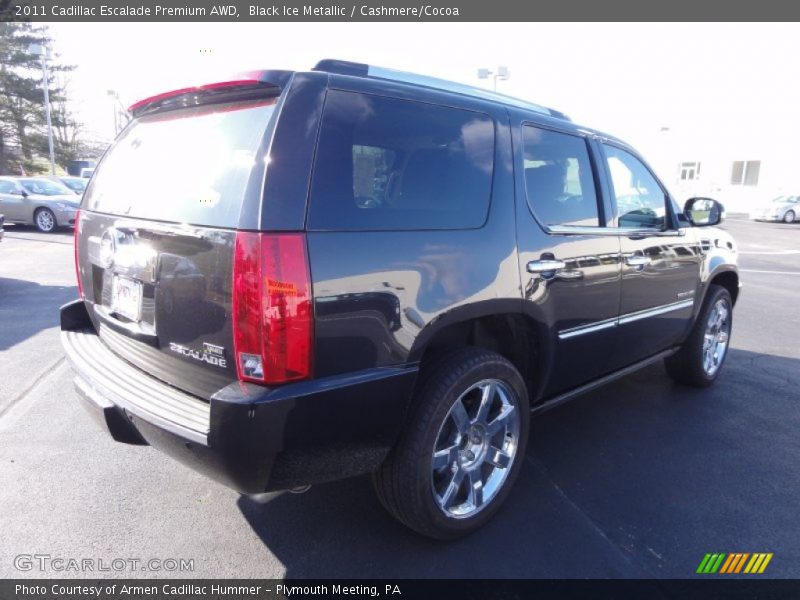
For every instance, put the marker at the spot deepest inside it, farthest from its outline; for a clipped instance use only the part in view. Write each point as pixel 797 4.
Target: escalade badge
pixel 211 354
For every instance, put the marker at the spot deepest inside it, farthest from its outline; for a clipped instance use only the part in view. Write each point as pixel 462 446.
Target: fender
pixel 487 308
pixel 716 265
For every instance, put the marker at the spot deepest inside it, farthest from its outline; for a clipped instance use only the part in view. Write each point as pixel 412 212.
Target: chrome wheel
pixel 45 220
pixel 475 448
pixel 716 337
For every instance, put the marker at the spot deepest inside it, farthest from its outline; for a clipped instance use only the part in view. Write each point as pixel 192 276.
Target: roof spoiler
pixel 344 67
pixel 251 85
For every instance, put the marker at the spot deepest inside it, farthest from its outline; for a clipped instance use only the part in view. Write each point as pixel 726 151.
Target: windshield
pixel 44 187
pixel 188 166
pixel 76 184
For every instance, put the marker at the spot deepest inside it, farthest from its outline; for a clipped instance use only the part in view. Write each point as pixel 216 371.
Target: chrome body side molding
pixel 565 334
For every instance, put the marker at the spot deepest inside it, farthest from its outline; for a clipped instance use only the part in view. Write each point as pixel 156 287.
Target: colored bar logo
pixel 734 562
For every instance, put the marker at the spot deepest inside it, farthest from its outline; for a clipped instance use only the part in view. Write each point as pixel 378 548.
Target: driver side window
pixel 641 203
pixel 558 178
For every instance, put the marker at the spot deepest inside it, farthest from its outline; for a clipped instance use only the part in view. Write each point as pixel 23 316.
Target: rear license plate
pixel 126 298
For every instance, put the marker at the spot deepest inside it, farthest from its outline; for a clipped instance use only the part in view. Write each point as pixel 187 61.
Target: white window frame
pixel 689 170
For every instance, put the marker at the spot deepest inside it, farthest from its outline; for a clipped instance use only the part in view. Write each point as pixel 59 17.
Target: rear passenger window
pixel 389 164
pixel 558 178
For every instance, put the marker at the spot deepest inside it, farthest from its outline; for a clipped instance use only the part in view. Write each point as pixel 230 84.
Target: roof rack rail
pixel 344 67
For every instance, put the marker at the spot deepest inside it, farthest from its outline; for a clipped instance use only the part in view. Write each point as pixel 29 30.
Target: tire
pixel 440 497
pixel 789 217
pixel 45 220
pixel 699 361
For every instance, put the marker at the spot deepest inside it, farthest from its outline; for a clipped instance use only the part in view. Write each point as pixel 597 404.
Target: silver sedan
pixel 38 201
pixel 781 208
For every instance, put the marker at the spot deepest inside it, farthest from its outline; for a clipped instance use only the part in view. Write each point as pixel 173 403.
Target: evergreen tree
pixel 23 122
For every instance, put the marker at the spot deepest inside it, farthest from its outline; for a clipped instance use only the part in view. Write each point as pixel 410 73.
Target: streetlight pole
pixel 43 51
pixel 502 73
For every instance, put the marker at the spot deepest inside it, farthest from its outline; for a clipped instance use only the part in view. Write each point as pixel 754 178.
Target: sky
pixel 650 84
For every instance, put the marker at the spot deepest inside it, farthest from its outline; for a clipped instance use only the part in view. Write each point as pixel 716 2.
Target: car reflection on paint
pixel 180 282
pixel 382 304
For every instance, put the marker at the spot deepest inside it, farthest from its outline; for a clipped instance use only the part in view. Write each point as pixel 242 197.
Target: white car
pixel 781 208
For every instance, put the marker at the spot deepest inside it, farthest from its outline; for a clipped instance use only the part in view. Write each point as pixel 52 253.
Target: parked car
pixel 397 273
pixel 37 201
pixel 780 208
pixel 87 172
pixel 76 184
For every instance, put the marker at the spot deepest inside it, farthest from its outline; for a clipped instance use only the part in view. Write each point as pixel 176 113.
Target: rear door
pixel 660 259
pixel 157 234
pixel 569 257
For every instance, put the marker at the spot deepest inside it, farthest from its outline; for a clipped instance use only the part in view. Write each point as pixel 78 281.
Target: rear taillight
pixel 75 239
pixel 273 319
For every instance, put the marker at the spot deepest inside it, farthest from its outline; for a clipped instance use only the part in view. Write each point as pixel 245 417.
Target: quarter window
pixel 558 178
pixel 390 164
pixel 641 202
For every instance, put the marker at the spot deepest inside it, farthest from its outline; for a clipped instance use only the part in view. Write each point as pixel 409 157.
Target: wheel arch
pixel 499 325
pixel 727 278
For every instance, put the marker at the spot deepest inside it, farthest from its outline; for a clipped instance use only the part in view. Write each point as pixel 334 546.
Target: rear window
pixel 389 164
pixel 189 166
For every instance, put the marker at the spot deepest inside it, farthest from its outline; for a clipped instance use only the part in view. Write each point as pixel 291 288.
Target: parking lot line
pixel 770 272
pixel 772 252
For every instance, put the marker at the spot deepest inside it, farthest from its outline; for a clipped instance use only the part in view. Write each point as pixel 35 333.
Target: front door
pixel 660 260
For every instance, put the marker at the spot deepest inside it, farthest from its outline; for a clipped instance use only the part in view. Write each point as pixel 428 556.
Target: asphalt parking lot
pixel 638 479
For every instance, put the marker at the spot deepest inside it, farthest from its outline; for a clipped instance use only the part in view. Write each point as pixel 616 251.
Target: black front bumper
pixel 251 438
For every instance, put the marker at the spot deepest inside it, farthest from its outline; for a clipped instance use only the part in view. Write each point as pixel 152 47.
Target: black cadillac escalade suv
pixel 353 270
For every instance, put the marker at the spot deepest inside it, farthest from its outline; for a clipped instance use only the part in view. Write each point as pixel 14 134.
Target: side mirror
pixel 703 212
pixel 22 193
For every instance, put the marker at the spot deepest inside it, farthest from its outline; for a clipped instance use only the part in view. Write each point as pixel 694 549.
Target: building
pixel 741 167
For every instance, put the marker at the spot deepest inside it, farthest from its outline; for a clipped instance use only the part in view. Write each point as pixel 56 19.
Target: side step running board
pixel 593 385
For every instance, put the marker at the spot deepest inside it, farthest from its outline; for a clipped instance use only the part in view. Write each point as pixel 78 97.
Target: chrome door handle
pixel 637 261
pixel 545 266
